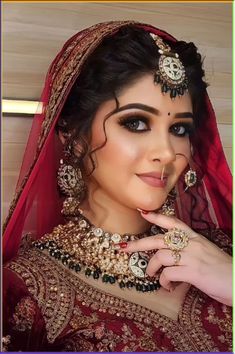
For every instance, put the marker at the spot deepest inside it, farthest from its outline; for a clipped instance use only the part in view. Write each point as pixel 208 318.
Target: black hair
pixel 114 65
pixel 117 63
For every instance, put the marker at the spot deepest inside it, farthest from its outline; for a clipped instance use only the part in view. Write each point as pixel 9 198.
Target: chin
pixel 149 209
pixel 151 206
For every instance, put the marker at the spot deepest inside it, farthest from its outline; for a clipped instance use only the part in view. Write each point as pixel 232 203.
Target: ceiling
pixel 33 33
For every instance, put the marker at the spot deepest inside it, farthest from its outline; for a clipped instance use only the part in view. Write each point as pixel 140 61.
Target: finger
pixel 174 274
pixel 145 244
pixel 165 258
pixel 161 258
pixel 167 222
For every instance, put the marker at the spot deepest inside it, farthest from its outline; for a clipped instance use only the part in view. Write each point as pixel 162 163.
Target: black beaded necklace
pixel 80 246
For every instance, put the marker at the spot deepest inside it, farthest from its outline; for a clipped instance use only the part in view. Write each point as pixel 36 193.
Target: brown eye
pixel 135 124
pixel 182 130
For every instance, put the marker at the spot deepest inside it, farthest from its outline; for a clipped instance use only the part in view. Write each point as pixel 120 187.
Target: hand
pixel 202 263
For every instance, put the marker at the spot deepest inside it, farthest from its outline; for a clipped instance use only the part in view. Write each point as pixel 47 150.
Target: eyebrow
pixel 147 109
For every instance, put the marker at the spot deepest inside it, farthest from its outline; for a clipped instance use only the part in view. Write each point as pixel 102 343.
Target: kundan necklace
pixel 83 247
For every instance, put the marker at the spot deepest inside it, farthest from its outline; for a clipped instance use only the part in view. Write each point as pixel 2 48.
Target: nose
pixel 162 150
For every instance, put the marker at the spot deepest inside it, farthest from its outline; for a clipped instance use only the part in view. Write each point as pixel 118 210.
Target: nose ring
pixel 162 174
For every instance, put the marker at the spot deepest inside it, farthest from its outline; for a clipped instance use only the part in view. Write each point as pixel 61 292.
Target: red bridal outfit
pixel 47 307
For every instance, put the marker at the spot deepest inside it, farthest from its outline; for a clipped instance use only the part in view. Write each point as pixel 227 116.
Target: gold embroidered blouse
pixel 47 307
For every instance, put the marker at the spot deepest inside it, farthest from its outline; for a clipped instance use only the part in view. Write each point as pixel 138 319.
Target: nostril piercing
pixel 163 169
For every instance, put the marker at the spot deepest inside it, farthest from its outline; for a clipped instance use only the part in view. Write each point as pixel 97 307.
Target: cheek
pixel 120 149
pixel 181 145
pixel 182 148
pixel 118 152
pixel 181 163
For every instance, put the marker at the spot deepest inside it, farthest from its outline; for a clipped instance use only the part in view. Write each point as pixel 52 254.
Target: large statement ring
pixel 176 240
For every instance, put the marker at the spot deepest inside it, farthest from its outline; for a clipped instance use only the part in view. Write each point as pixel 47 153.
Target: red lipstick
pixel 153 179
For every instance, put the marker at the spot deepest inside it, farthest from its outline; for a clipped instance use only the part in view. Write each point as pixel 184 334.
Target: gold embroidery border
pixel 44 284
pixel 186 334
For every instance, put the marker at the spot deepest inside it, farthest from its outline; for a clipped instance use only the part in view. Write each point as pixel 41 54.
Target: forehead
pixel 146 92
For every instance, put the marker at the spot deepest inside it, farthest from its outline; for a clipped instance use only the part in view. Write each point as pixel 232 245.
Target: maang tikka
pixel 171 73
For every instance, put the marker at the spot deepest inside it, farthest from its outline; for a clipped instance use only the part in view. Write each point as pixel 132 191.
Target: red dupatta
pixel 37 204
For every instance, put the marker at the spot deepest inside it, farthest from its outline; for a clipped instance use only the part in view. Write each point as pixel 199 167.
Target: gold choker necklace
pixel 83 247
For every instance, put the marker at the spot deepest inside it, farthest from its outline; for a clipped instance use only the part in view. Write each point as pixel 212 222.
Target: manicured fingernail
pixel 142 211
pixel 122 244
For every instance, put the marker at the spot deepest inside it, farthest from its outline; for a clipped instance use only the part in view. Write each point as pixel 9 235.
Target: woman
pixel 129 132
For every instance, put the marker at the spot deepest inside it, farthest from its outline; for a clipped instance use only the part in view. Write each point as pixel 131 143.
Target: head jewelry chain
pixel 171 73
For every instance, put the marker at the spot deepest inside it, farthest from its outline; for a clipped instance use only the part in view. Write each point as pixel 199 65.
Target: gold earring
pixel 70 180
pixel 71 183
pixel 190 178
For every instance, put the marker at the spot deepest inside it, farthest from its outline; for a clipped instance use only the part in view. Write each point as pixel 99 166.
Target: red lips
pixel 153 179
pixel 152 174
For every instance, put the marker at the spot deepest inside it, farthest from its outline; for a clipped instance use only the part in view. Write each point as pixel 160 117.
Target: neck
pixel 102 211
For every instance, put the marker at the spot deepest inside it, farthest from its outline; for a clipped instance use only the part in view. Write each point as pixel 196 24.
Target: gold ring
pixel 177 257
pixel 176 239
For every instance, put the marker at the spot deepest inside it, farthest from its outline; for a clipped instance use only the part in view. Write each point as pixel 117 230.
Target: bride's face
pixel 143 136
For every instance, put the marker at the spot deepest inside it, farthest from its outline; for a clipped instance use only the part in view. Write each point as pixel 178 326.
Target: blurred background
pixel 33 33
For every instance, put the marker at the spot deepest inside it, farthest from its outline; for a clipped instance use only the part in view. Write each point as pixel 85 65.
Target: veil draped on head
pixel 36 207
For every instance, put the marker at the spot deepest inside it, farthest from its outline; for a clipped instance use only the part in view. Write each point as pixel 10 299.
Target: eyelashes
pixel 139 124
pixel 182 129
pixel 135 124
